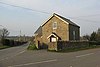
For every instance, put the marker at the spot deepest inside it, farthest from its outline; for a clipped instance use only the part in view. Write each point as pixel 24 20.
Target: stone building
pixel 56 28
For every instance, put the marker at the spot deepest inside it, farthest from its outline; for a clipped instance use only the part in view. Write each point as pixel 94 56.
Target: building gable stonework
pixel 65 29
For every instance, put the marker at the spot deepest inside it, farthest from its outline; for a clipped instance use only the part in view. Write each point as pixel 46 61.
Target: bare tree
pixel 86 37
pixel 4 33
pixel 98 35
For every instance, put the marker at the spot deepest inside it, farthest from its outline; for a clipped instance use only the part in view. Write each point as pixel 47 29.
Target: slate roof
pixel 67 20
pixel 39 30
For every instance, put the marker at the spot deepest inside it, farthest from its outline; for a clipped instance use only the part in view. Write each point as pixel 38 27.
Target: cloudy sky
pixel 28 15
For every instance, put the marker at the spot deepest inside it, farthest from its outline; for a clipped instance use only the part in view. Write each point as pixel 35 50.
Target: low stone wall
pixel 71 44
pixel 52 46
pixel 67 44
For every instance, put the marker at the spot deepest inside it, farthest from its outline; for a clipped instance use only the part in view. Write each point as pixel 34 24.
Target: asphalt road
pixel 20 57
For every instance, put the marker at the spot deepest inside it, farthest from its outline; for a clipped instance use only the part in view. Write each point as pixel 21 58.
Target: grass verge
pixel 32 46
pixel 4 47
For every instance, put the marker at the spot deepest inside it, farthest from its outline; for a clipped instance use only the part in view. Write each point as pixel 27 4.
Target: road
pixel 20 57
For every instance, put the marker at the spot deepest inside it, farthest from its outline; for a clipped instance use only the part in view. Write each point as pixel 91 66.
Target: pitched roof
pixel 67 20
pixel 62 18
pixel 39 30
pixel 54 34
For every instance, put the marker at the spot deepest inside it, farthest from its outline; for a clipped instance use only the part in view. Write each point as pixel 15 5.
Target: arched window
pixel 74 34
pixel 55 25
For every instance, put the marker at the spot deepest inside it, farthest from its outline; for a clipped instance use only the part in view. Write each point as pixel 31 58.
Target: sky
pixel 27 15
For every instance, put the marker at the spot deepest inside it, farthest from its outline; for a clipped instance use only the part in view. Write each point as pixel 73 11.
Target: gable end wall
pixel 62 30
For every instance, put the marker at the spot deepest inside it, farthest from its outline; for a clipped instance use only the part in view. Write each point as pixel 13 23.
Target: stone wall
pixel 67 44
pixel 70 44
pixel 52 46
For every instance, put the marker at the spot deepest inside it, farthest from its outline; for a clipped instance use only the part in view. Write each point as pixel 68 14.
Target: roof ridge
pixel 61 16
pixel 65 19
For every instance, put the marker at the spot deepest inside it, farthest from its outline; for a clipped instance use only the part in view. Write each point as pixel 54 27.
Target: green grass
pixel 32 46
pixel 4 47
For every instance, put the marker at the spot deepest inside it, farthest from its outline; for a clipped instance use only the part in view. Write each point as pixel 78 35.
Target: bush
pixel 32 47
pixel 5 42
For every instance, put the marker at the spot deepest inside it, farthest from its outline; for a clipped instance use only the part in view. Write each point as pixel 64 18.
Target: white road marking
pixel 33 63
pixel 84 55
pixel 21 52
pixel 13 55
